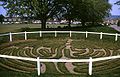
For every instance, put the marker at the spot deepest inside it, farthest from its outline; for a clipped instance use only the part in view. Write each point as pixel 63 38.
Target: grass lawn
pixel 36 27
pixel 52 47
pixel 14 27
pixel 17 27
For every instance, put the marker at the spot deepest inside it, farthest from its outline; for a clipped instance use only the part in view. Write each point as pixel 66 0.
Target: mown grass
pixel 21 27
pixel 48 40
pixel 7 73
pixel 79 41
pixel 37 27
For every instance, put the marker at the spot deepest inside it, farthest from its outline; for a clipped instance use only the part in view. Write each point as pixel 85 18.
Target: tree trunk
pixel 43 24
pixel 69 23
pixel 83 23
pixel 93 23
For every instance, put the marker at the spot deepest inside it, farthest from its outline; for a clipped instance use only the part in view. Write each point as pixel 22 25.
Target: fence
pixel 55 34
pixel 90 60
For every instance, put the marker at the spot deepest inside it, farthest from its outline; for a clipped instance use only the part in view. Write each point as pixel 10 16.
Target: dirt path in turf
pixel 4 45
pixel 70 67
pixel 68 44
pixel 43 68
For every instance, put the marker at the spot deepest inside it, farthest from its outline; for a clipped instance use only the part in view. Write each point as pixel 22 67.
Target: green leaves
pixel 82 10
pixel 94 10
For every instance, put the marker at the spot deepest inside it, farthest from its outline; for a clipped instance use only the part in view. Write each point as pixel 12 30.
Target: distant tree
pixel 118 3
pixel 118 24
pixel 1 18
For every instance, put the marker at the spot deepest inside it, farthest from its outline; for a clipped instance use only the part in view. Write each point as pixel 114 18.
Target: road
pixel 115 27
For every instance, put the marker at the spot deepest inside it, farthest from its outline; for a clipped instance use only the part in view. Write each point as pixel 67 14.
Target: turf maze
pixel 65 51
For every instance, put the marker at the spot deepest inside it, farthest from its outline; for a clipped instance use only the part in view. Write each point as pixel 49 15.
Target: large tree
pixel 1 18
pixel 101 9
pixel 45 9
pixel 15 8
pixel 83 10
pixel 70 11
pixel 86 10
pixel 40 9
pixel 93 10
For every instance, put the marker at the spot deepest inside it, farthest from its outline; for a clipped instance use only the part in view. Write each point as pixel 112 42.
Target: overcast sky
pixel 115 8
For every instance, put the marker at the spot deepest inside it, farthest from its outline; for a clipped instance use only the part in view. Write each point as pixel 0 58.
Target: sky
pixel 115 8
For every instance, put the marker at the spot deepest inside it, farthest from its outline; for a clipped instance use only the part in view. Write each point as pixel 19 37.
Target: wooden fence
pixel 56 32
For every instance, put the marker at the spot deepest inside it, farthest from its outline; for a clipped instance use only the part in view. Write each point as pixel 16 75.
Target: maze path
pixel 66 51
pixel 106 66
pixel 19 64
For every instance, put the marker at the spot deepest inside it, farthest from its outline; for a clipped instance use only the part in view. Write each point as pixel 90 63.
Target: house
pixel 12 20
pixel 112 20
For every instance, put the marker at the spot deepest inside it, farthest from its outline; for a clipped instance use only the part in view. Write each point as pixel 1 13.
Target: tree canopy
pixel 118 2
pixel 93 10
pixel 82 10
pixel 45 9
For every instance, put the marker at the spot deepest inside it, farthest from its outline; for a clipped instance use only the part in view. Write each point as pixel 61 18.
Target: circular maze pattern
pixel 67 51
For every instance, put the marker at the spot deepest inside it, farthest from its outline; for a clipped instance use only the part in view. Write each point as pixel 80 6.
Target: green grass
pixel 14 27
pixel 79 41
pixel 19 27
pixel 16 74
pixel 104 29
pixel 106 68
pixel 36 27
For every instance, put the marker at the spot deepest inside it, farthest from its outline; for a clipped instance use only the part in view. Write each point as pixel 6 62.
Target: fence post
pixel 86 34
pixel 70 33
pixel 10 36
pixel 101 35
pixel 55 33
pixel 40 33
pixel 38 66
pixel 116 37
pixel 90 66
pixel 25 35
